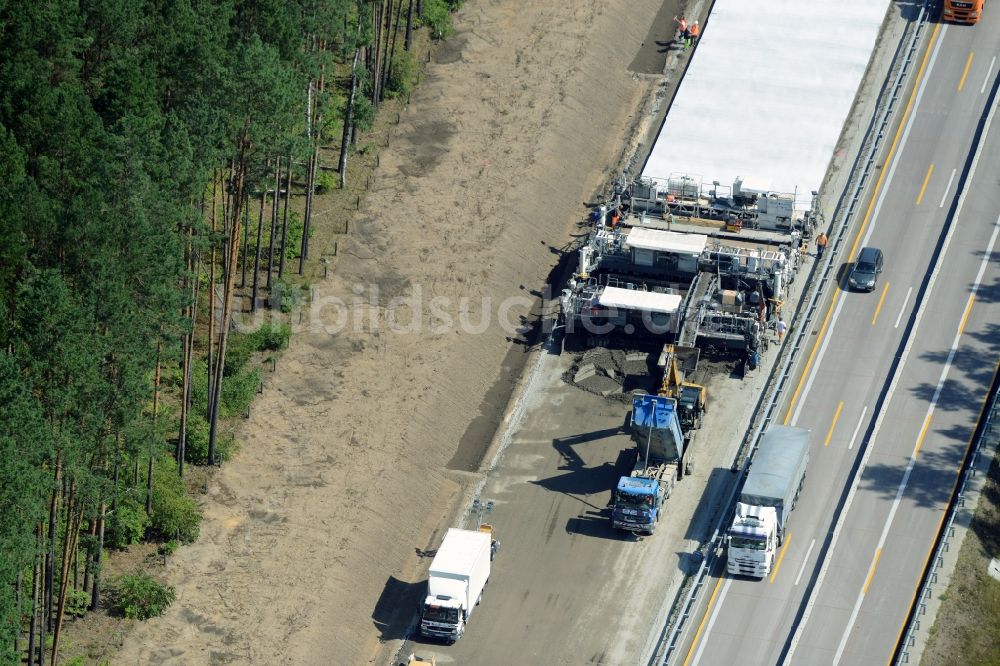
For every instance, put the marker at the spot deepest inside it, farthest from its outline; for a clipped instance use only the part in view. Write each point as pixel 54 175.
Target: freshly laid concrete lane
pixel 853 366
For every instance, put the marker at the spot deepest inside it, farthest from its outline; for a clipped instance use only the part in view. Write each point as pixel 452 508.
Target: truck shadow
pixel 716 491
pixel 590 485
pixel 396 607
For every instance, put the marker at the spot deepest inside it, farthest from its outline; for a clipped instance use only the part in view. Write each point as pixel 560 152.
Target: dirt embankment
pixel 374 423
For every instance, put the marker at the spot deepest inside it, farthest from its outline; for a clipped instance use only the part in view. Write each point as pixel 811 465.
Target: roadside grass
pixel 967 628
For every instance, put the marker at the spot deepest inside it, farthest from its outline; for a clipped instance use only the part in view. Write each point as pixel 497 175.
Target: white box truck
pixel 455 583
pixel 777 472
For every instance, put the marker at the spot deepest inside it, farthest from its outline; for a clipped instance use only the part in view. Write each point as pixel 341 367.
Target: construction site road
pixel 894 386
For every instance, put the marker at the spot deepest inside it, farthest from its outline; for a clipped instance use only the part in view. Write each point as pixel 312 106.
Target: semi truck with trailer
pixel 777 472
pixel 637 503
pixel 455 583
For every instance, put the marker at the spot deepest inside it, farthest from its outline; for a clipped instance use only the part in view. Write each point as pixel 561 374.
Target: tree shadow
pixel 932 478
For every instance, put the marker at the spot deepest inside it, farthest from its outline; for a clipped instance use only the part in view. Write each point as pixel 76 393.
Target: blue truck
pixel 637 502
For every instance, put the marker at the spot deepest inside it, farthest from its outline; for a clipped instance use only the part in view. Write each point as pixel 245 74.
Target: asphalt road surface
pixel 892 385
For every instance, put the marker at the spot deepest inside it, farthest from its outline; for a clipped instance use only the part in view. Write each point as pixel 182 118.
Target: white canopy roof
pixel 632 299
pixel 767 92
pixel 666 241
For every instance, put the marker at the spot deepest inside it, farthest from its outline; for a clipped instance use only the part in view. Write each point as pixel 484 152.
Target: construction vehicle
pixel 962 11
pixel 414 660
pixel 777 472
pixel 637 503
pixel 692 399
pixel 455 582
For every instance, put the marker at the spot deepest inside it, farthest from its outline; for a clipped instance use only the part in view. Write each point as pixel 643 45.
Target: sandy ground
pixel 371 431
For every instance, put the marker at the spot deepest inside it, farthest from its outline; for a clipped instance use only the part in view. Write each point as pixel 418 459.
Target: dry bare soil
pixel 370 434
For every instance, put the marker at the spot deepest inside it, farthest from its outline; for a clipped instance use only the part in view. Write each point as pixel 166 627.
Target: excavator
pixel 692 399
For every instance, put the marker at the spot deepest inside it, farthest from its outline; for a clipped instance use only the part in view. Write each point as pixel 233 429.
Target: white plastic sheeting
pixel 767 92
pixel 666 241
pixel 633 299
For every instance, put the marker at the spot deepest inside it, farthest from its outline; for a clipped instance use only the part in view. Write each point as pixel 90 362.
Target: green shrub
pixel 239 348
pixel 293 242
pixel 168 548
pixel 238 392
pixel 273 337
pixel 196 444
pixel 175 514
pixel 324 182
pixel 364 112
pixel 77 602
pixel 78 660
pixel 402 74
pixel 126 525
pixel 284 296
pixel 140 596
pixel 436 16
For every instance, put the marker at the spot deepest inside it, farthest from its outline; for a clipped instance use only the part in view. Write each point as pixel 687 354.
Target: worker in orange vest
pixel 693 33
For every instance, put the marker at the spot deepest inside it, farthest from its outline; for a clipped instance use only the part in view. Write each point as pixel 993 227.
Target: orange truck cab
pixel 962 11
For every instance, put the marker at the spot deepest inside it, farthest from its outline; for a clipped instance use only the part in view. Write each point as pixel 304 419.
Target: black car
pixel 866 269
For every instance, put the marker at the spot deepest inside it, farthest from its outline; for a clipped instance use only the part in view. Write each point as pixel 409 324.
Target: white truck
pixel 455 583
pixel 768 496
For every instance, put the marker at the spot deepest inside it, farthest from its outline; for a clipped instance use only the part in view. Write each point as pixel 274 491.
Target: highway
pixel 891 385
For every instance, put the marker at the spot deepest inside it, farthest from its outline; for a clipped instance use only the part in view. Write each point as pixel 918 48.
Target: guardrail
pixel 864 165
pixel 988 429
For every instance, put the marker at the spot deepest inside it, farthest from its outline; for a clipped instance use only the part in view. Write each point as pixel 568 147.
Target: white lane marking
pixel 711 621
pixel 892 386
pixel 947 188
pixel 988 72
pixel 902 309
pixel 857 428
pixel 924 423
pixel 805 562
pixel 871 227
pixel 819 359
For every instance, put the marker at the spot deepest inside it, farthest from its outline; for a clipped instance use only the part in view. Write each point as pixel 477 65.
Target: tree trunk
pixel 395 35
pixel 211 288
pixel 69 545
pixel 246 242
pixel 18 590
pixel 348 121
pixel 156 405
pixel 50 552
pixel 408 42
pixel 284 220
pixel 36 580
pixel 256 256
pixel 386 29
pixel 95 591
pixel 227 304
pixel 274 223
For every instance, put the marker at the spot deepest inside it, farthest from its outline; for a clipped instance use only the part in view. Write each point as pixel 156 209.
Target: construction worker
pixel 780 327
pixel 682 27
pixel 821 242
pixel 693 33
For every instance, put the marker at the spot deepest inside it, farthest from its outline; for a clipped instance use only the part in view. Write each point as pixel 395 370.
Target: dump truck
pixel 962 11
pixel 637 503
pixel 455 583
pixel 777 472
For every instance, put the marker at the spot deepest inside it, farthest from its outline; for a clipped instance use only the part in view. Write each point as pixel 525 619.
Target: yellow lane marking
pixel 871 572
pixel 923 433
pixel 881 299
pixel 923 188
pixel 868 213
pixel 968 311
pixel 701 626
pixel 944 514
pixel 781 556
pixel 968 63
pixel 833 425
